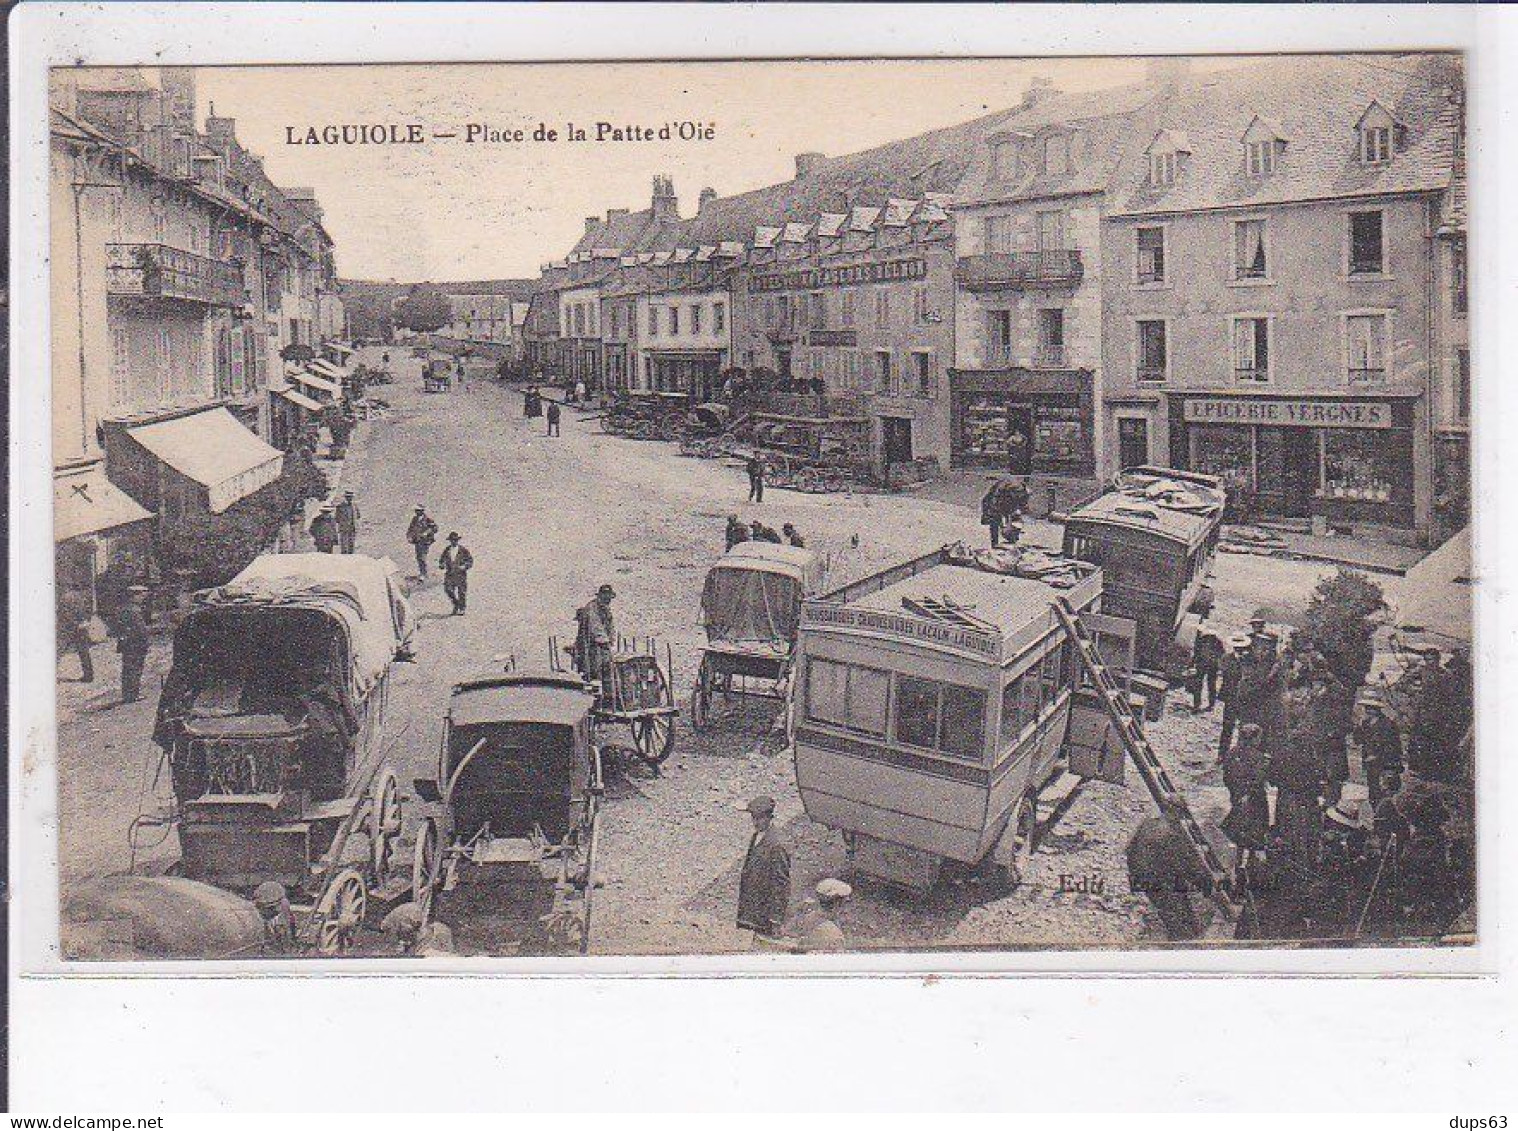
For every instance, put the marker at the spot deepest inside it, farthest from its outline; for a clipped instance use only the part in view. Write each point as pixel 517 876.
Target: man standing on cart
pixel 595 635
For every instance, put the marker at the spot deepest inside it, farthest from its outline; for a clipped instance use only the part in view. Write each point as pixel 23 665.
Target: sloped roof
pixel 1315 103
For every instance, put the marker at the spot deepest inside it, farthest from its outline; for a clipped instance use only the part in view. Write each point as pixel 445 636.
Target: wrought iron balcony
pixel 1020 270
pixel 150 270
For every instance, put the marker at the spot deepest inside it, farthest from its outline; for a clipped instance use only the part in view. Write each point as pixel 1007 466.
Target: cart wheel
pixel 340 912
pixel 654 738
pixel 424 865
pixel 385 823
pixel 1012 857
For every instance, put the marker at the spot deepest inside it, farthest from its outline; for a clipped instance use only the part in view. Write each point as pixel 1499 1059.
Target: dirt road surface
pixel 548 519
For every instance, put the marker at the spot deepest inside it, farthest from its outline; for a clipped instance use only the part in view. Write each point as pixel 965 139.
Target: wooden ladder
pixel 1155 776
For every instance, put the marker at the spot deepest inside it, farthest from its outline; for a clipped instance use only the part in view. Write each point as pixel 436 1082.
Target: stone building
pixel 1270 297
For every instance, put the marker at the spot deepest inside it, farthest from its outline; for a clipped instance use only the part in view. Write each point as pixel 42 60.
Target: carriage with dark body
pixel 1155 535
pixel 506 848
pixel 273 720
pixel 750 609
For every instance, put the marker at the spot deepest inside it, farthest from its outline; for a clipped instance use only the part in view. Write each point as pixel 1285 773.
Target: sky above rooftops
pixel 447 209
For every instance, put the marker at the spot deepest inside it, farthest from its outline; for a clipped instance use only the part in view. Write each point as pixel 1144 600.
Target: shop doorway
pixel 1286 470
pixel 1020 439
pixel 896 439
pixel 1132 442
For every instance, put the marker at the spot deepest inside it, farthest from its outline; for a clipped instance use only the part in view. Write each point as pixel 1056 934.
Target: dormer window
pixel 1377 134
pixel 1162 169
pixel 1375 145
pixel 1005 161
pixel 1056 155
pixel 1262 148
pixel 1165 154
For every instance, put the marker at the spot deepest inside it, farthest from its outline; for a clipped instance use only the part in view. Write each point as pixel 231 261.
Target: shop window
pixel 998 235
pixel 1462 390
pixel 1249 260
pixel 1051 337
pixel 1223 450
pixel 1150 246
pixel 1152 350
pixel 1251 349
pixel 998 337
pixel 1059 437
pixel 1365 347
pixel 1358 465
pixel 1366 250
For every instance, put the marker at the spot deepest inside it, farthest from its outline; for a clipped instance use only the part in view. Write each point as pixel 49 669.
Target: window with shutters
pixel 882 309
pixel 924 380
pixel 998 337
pixel 121 368
pixel 884 378
pixel 1365 347
pixel 997 235
pixel 846 308
pixel 1251 349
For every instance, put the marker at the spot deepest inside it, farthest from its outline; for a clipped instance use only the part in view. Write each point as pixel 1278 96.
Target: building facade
pixel 1270 281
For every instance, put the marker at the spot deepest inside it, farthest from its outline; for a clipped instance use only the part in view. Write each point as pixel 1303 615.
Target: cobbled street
pixel 548 520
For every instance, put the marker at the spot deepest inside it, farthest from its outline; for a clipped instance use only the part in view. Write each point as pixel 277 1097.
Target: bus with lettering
pixel 932 707
pixel 1155 535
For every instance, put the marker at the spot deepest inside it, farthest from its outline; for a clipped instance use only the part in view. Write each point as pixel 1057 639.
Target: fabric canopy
pixel 86 502
pixel 312 381
pixel 1434 596
pixel 296 397
pixel 214 450
pixel 325 368
pixel 751 607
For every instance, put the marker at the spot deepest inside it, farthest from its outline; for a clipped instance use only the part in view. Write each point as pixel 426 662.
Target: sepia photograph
pixel 507 510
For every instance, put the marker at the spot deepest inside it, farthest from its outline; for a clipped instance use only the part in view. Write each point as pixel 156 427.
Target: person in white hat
pixel 819 929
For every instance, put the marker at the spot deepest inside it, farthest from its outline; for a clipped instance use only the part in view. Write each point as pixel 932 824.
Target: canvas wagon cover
pixel 753 595
pixel 364 593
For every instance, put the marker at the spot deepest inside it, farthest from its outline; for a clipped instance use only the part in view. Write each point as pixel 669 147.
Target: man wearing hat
pixel 764 888
pixel 1380 746
pixel 736 531
pixel 1206 662
pixel 819 929
pixel 595 634
pixel 131 632
pixel 1230 667
pixel 324 530
pixel 278 920
pixel 456 562
pixel 421 533
pixel 347 517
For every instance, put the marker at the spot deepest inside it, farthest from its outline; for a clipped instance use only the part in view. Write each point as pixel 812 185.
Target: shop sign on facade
pixel 856 274
pixel 1288 413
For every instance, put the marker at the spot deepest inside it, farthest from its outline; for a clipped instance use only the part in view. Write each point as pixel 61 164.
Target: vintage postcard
pixel 780 507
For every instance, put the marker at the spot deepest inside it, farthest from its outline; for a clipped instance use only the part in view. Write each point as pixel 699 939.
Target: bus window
pixel 1011 712
pixel 1049 674
pixel 846 696
pixel 964 721
pixel 1032 696
pixel 917 711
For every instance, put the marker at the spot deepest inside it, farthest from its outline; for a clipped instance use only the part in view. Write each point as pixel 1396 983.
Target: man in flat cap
pixel 764 889
pixel 819 929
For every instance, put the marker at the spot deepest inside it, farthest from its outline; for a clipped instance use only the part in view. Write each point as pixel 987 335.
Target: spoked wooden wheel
pixel 654 737
pixel 384 823
pixel 341 912
pixel 424 866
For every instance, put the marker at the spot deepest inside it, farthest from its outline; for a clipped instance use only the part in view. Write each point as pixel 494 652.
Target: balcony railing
pixel 151 270
pixel 1049 356
pixel 1020 269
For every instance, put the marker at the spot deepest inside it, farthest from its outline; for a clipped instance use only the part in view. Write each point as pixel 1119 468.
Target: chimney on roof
pixel 666 206
pixel 1040 89
pixel 806 162
pixel 222 130
pixel 707 196
pixel 178 85
pixel 591 223
pixel 1167 70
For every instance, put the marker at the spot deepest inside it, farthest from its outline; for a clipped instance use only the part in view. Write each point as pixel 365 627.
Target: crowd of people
pixel 1311 861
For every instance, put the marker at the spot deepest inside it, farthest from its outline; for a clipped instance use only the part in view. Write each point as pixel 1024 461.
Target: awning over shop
pixel 86 502
pixel 215 451
pixel 340 347
pixel 325 368
pixel 312 381
pixel 296 397
pixel 1434 597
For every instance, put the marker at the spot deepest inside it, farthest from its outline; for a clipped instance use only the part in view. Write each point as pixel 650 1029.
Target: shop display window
pixel 1358 466
pixel 1059 440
